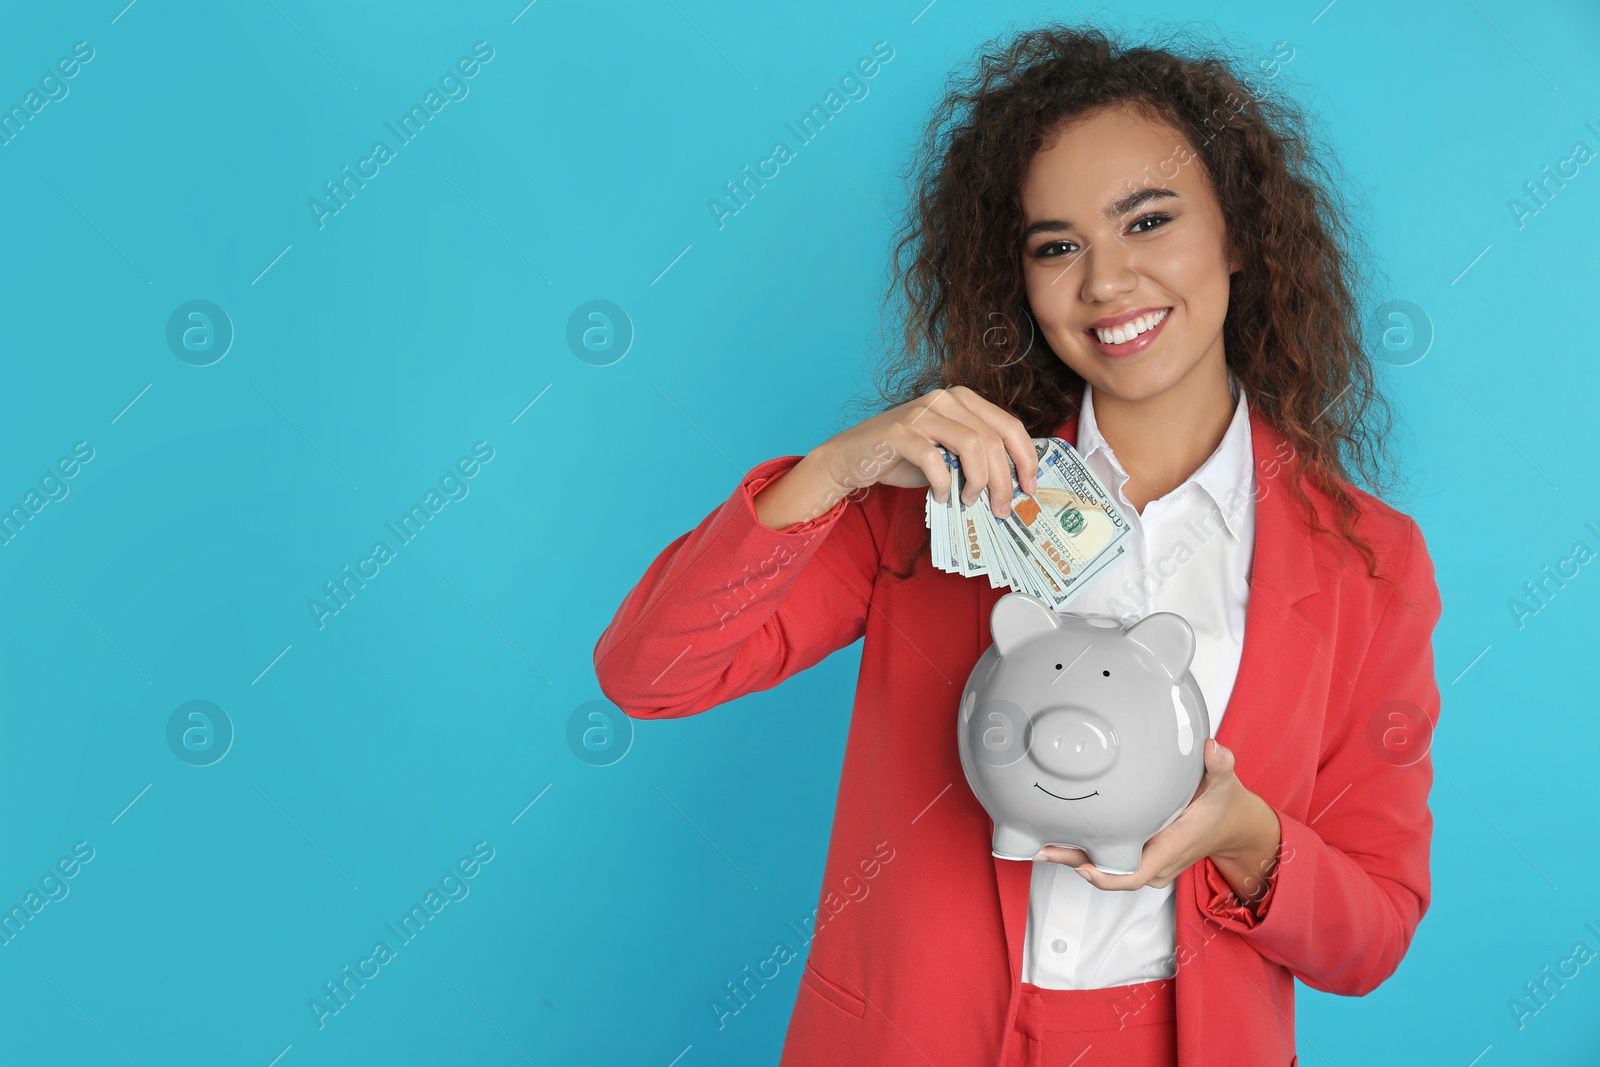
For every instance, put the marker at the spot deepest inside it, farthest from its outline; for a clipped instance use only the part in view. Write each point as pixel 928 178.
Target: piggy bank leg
pixel 1116 857
pixel 1012 844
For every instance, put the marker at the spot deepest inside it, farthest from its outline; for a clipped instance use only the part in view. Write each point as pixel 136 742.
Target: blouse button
pixel 1059 945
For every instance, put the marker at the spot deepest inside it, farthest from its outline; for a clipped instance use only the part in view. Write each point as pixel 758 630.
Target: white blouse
pixel 1187 553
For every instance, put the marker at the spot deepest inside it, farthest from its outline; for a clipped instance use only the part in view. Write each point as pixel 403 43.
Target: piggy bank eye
pixel 1106 673
pixel 1058 666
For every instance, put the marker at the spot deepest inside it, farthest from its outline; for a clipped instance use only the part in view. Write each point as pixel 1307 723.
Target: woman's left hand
pixel 1223 819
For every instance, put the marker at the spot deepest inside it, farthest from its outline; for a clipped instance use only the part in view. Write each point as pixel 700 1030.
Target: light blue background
pixel 429 313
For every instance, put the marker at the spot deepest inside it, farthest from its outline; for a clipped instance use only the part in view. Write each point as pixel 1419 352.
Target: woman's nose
pixel 1107 271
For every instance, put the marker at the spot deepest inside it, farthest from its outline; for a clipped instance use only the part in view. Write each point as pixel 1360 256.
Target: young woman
pixel 1135 251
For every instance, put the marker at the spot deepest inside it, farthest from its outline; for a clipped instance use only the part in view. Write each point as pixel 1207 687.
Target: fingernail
pixel 1041 855
pixel 1085 874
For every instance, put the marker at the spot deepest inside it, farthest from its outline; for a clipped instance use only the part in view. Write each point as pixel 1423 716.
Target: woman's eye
pixel 1057 249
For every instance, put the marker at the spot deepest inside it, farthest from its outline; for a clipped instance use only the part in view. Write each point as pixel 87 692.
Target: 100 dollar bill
pixel 1055 541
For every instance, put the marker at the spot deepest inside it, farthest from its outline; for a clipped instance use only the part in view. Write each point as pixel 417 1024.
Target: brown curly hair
pixel 1292 334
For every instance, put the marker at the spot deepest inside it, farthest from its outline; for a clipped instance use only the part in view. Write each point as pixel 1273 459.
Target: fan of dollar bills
pixel 1052 545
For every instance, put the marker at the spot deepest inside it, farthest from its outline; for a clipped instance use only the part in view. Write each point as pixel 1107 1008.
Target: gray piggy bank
pixel 1075 730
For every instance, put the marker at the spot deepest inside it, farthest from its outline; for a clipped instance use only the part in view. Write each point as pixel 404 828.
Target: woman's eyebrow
pixel 1116 209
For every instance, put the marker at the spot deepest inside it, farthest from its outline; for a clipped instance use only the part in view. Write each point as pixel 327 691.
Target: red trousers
pixel 1125 1026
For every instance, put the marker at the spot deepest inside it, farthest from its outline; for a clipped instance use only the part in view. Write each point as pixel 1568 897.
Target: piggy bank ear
pixel 1017 618
pixel 1169 638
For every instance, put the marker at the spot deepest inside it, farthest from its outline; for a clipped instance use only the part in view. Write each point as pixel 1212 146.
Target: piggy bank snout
pixel 1073 743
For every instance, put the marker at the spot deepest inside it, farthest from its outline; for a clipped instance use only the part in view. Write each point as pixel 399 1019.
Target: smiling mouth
pixel 1058 796
pixel 1131 344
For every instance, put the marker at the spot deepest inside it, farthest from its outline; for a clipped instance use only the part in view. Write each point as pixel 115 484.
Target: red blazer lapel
pixel 1284 571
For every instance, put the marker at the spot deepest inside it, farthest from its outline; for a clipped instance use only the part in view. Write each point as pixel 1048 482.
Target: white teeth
pixel 1128 331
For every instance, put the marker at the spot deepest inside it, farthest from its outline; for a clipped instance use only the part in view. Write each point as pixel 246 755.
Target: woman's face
pixel 1122 225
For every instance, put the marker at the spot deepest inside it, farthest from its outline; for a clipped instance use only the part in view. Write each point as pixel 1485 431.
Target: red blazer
pixel 927 968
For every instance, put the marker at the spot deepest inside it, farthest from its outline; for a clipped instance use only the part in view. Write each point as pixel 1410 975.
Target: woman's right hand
pixel 898 447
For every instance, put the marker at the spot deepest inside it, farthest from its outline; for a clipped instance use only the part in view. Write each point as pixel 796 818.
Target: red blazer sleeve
pixel 732 607
pixel 1347 895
